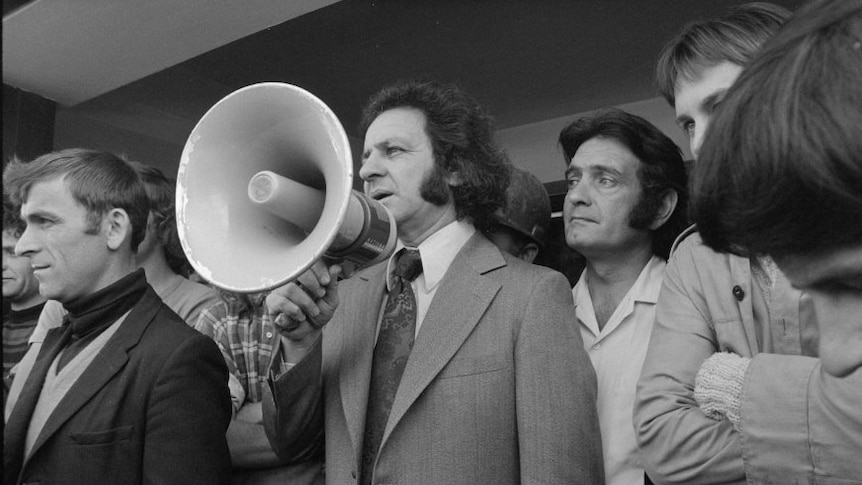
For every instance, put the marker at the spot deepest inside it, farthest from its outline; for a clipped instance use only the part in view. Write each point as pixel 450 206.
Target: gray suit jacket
pixel 498 388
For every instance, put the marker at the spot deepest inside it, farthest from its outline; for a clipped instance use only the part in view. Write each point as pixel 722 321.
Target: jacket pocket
pixel 469 366
pixel 103 437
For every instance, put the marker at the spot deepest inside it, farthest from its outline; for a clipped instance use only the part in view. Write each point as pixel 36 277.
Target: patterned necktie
pixel 394 342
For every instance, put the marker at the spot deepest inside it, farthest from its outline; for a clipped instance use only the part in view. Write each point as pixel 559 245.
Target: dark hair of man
pixel 781 170
pixel 661 168
pixel 735 37
pixel 162 194
pixel 99 181
pixel 518 238
pixel 12 222
pixel 462 137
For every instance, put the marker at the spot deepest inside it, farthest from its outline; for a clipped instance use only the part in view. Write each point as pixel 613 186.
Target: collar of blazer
pixel 461 299
pixel 112 358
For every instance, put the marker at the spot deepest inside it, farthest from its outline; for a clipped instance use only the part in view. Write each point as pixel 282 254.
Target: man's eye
pixel 393 150
pixel 607 182
pixel 572 181
pixel 688 128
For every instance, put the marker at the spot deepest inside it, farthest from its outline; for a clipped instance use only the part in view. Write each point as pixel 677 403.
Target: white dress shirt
pixel 437 253
pixel 617 352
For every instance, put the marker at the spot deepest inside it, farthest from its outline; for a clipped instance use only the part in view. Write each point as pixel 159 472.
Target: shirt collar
pixel 645 289
pixel 437 251
pixel 648 285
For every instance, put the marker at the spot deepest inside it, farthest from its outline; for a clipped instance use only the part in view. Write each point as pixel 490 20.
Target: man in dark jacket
pixel 124 391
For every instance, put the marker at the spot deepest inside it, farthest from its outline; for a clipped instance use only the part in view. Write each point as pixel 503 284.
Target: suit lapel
pixel 107 363
pixel 15 434
pixel 461 300
pixel 358 332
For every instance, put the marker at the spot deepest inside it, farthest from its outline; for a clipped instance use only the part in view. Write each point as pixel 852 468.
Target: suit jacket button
pixel 738 293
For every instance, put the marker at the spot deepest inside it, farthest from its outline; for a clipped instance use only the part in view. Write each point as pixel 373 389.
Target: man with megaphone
pixel 451 362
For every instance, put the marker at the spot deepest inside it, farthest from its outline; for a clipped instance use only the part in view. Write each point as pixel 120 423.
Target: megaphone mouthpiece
pixel 290 200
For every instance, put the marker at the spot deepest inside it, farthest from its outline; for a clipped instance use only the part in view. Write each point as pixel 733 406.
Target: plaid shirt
pixel 244 332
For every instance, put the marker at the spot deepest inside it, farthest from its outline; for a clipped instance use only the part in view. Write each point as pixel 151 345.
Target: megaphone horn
pixel 264 190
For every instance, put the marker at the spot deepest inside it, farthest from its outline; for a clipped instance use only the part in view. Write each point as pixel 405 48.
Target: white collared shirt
pixel 437 253
pixel 617 352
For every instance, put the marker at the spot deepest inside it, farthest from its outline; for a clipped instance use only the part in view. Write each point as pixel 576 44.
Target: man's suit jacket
pixel 497 390
pixel 153 407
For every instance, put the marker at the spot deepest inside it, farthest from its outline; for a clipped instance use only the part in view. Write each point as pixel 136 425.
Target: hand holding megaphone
pixel 302 307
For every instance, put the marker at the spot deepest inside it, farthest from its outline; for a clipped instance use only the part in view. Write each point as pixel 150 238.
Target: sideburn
pixel 434 188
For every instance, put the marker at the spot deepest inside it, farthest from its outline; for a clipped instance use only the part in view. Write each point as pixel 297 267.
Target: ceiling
pixel 153 67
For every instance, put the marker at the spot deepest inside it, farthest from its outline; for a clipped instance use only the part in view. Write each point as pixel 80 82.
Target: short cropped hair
pixel 161 191
pixel 462 137
pixel 99 181
pixel 661 168
pixel 736 36
pixel 782 164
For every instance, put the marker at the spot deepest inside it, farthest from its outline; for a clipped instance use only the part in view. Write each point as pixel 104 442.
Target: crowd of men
pixel 713 336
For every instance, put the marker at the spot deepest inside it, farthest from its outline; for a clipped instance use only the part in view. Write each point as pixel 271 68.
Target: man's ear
pixel 454 179
pixel 119 227
pixel 665 209
pixel 529 252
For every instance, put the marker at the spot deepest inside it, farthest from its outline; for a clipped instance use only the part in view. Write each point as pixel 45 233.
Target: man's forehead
pixel 603 152
pixel 47 187
pixel 701 81
pixel 401 121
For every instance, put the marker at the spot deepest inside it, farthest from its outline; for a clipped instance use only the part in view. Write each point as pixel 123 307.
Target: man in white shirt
pixel 484 378
pixel 624 207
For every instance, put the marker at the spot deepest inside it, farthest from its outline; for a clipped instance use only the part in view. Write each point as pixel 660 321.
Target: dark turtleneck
pixel 89 316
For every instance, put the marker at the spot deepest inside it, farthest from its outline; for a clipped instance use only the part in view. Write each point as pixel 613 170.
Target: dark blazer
pixel 497 390
pixel 152 407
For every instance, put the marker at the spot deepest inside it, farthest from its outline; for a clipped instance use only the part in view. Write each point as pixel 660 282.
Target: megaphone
pixel 264 190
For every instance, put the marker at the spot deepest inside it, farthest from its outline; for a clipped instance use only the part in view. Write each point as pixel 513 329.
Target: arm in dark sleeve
pixel 187 417
pixel 293 407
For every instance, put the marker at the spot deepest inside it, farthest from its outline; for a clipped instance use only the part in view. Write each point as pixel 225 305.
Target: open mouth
pixel 380 195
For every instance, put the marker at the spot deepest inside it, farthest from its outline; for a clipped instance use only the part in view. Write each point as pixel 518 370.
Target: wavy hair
pixel 661 168
pixel 462 137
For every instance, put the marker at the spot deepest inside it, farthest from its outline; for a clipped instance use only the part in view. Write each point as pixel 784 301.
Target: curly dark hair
pixel 661 168
pixel 462 136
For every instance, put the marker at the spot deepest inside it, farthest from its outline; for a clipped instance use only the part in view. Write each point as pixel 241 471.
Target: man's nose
pixel 578 194
pixel 371 167
pixel 697 138
pixel 26 244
